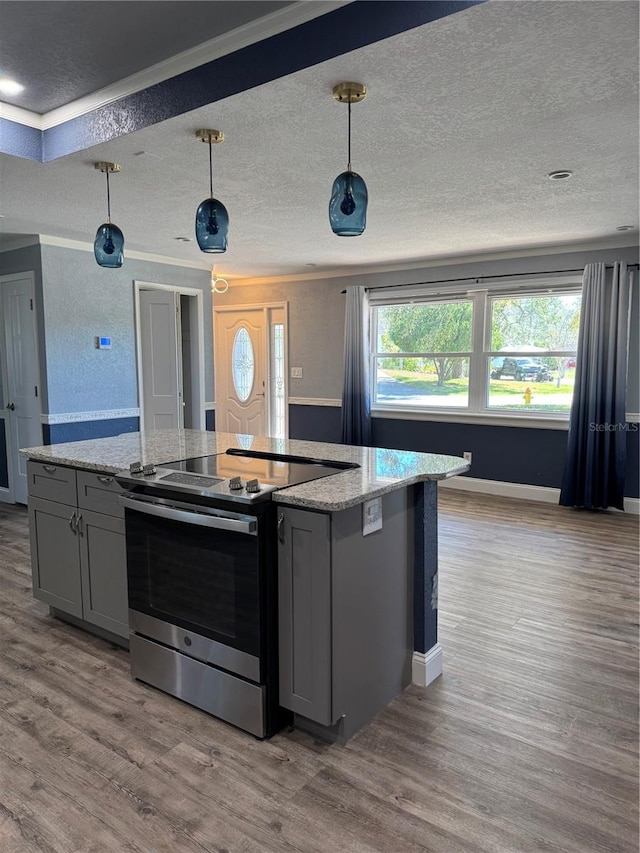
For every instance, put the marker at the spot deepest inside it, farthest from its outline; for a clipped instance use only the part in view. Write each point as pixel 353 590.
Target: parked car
pixel 571 362
pixel 521 368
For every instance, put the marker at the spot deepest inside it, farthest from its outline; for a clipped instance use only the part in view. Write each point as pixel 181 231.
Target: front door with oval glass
pixel 241 372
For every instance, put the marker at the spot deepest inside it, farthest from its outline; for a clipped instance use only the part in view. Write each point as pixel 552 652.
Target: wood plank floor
pixel 528 742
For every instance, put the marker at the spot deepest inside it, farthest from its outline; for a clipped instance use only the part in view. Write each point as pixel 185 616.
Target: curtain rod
pixel 478 278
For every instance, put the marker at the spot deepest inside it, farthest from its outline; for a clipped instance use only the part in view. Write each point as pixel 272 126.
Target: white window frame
pixel 480 294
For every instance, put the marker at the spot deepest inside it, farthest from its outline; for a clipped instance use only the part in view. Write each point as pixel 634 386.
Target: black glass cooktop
pixel 274 469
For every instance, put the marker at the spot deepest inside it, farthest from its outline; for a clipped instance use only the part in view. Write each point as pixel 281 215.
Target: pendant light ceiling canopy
pixel 349 197
pixel 108 247
pixel 212 219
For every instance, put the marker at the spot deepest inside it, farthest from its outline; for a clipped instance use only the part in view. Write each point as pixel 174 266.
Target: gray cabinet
pixel 345 613
pixel 78 551
pixel 55 560
pixel 304 606
pixel 103 572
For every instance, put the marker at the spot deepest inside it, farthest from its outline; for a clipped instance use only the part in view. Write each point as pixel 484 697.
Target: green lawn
pixel 427 383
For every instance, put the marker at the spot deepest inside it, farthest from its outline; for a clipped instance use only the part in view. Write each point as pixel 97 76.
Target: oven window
pixel 204 580
pixel 211 604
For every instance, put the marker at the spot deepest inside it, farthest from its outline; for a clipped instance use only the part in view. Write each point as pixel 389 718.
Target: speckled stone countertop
pixel 381 470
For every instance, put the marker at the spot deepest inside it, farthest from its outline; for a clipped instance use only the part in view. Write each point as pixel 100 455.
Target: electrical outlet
pixel 296 373
pixel 467 455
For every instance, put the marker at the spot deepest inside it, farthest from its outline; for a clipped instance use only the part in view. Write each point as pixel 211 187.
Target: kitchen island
pixel 357 561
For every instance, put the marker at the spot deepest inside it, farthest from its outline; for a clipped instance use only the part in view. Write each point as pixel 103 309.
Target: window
pixel 243 361
pixel 278 417
pixel 490 351
pixel 423 354
pixel 540 335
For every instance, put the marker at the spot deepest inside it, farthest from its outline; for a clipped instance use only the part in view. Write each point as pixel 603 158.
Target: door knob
pixel 11 407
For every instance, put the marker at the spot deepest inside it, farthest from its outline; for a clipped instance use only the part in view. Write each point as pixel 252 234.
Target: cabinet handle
pixel 79 525
pixel 105 479
pixel 72 522
pixel 50 468
pixel 281 529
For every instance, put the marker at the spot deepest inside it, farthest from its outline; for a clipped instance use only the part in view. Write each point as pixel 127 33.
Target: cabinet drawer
pixel 99 493
pixel 52 482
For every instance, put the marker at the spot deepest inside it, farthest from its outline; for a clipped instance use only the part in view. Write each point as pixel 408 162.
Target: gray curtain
pixel 597 446
pixel 356 408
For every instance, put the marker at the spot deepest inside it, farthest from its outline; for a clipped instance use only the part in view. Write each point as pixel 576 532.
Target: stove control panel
pixel 253 486
pixel 235 484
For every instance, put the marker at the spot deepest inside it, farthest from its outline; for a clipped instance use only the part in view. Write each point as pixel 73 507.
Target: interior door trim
pixel 180 291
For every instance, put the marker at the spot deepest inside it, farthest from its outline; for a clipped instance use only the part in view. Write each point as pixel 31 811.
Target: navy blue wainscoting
pixel 83 430
pixel 510 454
pixel 632 484
pixel 210 420
pixel 315 423
pixel 4 468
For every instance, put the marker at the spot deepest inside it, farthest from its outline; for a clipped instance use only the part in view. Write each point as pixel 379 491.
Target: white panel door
pixel 22 376
pixel 161 388
pixel 240 348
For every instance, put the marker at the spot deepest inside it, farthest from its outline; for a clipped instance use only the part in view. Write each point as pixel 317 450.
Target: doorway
pixel 19 381
pixel 250 345
pixel 170 356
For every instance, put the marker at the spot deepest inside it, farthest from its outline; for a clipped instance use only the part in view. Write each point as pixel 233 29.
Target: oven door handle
pixel 201 517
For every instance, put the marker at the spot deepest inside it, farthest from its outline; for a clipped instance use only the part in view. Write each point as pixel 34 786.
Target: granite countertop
pixel 381 470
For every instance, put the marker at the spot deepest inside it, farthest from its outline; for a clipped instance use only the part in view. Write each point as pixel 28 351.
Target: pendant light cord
pixel 108 199
pixel 349 143
pixel 210 170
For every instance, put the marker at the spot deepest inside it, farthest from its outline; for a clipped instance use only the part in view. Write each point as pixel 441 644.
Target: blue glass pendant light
pixel 108 247
pixel 349 197
pixel 212 219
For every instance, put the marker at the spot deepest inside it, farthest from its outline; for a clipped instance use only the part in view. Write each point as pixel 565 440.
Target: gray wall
pixel 316 329
pixel 82 300
pixel 514 454
pixel 316 310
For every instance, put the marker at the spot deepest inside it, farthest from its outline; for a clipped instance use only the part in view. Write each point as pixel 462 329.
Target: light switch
pixel 296 373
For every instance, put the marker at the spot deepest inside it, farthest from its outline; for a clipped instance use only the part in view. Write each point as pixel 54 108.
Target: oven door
pixel 194 576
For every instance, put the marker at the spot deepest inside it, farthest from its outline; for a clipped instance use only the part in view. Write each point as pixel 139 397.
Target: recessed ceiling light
pixel 560 175
pixel 183 239
pixel 10 87
pixel 624 228
pixel 309 265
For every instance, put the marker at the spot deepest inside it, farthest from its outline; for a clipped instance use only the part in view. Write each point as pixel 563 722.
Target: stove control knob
pixel 253 486
pixel 235 483
pixel 149 470
pixel 135 468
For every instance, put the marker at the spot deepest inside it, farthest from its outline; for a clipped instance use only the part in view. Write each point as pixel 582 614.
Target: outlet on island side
pixel 466 454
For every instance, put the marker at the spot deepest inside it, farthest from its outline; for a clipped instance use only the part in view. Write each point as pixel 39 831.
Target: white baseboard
pixel 521 491
pixel 426 666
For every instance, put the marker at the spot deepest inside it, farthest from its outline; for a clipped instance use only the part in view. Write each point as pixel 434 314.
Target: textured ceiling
pixel 82 46
pixel 464 119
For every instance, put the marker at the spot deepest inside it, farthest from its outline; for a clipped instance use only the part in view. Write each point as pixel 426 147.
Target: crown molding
pixel 21 116
pixel 248 34
pixel 81 246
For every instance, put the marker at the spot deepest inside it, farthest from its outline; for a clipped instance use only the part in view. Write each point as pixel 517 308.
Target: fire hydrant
pixel 527 396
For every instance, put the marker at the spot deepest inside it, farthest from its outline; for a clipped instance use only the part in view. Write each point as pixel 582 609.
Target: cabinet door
pixel 55 561
pixel 103 566
pixel 304 599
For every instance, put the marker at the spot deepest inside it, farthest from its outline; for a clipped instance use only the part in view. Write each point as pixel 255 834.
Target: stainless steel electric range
pixel 202 579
